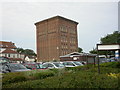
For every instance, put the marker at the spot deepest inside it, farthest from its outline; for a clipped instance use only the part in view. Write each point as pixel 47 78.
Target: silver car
pixel 72 63
pixel 51 65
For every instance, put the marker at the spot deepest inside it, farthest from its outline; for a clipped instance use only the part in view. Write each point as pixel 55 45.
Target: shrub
pixel 13 78
pixel 111 64
pixel 71 80
pixel 44 74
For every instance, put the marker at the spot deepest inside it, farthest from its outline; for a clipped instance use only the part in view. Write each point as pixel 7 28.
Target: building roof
pixel 10 51
pixel 56 17
pixel 78 54
pixel 16 59
pixel 4 44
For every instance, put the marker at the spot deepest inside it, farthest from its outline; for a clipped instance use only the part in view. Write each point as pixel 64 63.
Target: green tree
pixel 20 50
pixel 94 51
pixel 80 50
pixel 111 38
pixel 29 52
pixel 26 51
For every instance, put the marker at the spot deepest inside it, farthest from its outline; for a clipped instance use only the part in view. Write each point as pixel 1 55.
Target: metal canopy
pixel 106 47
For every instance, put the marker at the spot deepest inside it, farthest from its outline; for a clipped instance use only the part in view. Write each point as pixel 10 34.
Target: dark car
pixel 12 67
pixel 4 60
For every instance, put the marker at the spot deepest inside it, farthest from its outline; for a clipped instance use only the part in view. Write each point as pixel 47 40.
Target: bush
pixel 44 74
pixel 77 79
pixel 13 78
pixel 111 64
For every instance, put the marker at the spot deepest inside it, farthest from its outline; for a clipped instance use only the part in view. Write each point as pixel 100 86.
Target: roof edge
pixel 56 17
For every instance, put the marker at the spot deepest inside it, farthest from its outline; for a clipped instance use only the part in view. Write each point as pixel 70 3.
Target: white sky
pixel 96 20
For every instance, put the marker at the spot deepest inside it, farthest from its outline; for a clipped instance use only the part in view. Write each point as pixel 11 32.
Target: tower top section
pixel 56 17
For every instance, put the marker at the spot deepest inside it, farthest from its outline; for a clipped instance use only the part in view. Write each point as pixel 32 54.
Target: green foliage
pixel 80 50
pixel 76 77
pixel 111 64
pixel 24 76
pixel 26 51
pixel 42 75
pixel 13 78
pixel 111 38
pixel 94 51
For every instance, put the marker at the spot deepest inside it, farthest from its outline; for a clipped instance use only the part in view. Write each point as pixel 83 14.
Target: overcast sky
pixel 96 20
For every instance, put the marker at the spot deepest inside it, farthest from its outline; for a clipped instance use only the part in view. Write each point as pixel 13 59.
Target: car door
pixel 5 69
pixel 45 65
pixel 50 66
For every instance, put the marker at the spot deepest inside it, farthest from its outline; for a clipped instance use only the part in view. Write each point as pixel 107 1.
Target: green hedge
pixel 77 79
pixel 42 75
pixel 24 76
pixel 111 64
pixel 13 78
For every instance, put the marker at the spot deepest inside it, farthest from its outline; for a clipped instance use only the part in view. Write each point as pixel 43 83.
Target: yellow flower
pixel 113 75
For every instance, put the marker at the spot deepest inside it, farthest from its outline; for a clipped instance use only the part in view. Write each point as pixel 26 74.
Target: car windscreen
pixel 17 66
pixel 41 66
pixel 68 63
pixel 58 64
pixel 77 63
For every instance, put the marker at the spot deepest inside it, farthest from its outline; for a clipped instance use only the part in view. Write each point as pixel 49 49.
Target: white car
pixel 71 63
pixel 51 65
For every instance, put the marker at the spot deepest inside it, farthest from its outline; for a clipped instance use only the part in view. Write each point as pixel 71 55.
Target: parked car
pixel 12 67
pixel 4 60
pixel 51 65
pixel 72 63
pixel 35 66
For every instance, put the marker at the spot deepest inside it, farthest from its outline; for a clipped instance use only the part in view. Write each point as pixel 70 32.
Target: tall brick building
pixel 56 36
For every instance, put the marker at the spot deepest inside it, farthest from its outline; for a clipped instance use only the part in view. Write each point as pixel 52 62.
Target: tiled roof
pixel 9 51
pixel 4 44
pixel 15 59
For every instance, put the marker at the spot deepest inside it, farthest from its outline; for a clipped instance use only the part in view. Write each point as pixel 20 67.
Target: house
pixel 9 50
pixel 76 56
pixel 30 58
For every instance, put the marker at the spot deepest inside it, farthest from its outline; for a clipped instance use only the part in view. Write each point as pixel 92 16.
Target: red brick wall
pixel 49 35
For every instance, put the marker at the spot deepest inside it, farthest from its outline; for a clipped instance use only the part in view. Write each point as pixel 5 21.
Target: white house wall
pixel 12 55
pixel 2 49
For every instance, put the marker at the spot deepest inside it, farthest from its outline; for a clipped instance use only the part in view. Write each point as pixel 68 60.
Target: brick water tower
pixel 56 36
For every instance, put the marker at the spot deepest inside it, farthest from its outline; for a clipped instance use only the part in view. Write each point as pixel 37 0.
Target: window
pixel 45 65
pixel 68 63
pixel 50 65
pixel 8 55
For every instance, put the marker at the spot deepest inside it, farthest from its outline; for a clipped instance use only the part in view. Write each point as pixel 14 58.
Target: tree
pixel 94 51
pixel 111 38
pixel 26 51
pixel 29 52
pixel 80 50
pixel 20 50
